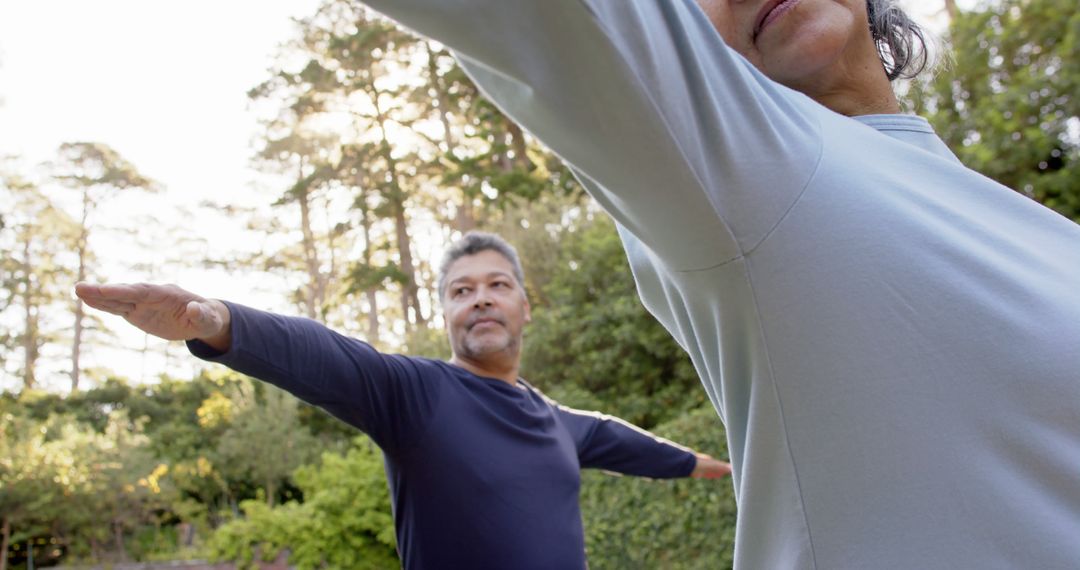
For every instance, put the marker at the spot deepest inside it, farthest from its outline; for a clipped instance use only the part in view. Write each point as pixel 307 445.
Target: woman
pixel 891 339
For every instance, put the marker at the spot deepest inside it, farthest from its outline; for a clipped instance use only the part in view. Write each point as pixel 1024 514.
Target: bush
pixel 345 521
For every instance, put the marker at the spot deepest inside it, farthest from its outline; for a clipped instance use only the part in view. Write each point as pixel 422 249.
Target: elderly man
pixel 483 469
pixel 892 339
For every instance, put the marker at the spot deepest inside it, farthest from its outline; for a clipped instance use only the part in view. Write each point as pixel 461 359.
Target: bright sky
pixel 164 83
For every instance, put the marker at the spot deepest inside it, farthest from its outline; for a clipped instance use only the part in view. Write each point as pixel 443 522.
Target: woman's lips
pixel 771 12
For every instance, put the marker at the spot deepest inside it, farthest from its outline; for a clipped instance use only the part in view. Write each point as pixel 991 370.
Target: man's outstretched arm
pixel 386 396
pixel 165 311
pixel 606 442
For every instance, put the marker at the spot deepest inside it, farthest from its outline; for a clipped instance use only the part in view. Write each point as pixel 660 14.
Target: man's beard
pixel 474 348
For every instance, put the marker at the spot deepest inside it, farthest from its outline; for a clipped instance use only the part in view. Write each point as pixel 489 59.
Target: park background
pixel 312 158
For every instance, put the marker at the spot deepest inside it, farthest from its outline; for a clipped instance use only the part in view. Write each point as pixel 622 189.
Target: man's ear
pixel 528 310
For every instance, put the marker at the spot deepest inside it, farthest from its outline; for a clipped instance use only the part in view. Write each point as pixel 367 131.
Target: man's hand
pixel 165 311
pixel 709 468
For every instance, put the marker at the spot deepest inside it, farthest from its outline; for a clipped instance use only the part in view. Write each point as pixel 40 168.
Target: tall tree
pixel 366 276
pixel 295 147
pixel 35 275
pixel 96 172
pixel 485 156
pixel 355 55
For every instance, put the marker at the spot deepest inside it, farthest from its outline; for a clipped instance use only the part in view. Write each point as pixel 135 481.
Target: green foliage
pixel 264 442
pixel 116 468
pixel 261 533
pixel 30 493
pixel 87 488
pixel 677 524
pixel 350 524
pixel 344 522
pixel 1008 106
pixel 428 343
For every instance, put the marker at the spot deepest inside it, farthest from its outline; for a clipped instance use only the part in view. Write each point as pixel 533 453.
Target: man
pixel 892 339
pixel 483 469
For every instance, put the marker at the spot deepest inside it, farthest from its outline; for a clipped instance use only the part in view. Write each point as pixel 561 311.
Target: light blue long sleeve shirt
pixel 892 339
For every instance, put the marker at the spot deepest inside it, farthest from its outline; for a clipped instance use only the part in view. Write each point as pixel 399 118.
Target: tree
pixel 35 274
pixel 95 171
pixel 485 156
pixel 293 143
pixel 264 439
pixel 124 486
pixel 344 521
pixel 30 486
pixel 353 58
pixel 1008 105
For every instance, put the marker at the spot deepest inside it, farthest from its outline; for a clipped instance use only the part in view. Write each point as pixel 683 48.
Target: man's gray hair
pixel 473 243
pixel 901 43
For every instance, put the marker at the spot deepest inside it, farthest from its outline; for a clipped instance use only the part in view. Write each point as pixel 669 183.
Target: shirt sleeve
pixel 386 396
pixel 606 442
pixel 683 141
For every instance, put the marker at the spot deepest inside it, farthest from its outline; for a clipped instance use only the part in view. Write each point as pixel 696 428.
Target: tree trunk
pixel 409 294
pixel 517 142
pixel 330 274
pixel 951 9
pixel 410 290
pixel 76 345
pixel 118 539
pixel 6 531
pixel 313 296
pixel 444 102
pixel 370 293
pixel 465 220
pixel 30 333
pixel 466 216
pixel 271 493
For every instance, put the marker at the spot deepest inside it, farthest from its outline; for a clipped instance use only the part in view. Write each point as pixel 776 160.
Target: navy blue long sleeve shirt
pixel 482 474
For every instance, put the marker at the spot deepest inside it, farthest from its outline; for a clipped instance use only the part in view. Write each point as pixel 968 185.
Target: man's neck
pixel 505 369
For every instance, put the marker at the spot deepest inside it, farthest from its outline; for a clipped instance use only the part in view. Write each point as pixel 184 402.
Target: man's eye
pixel 460 291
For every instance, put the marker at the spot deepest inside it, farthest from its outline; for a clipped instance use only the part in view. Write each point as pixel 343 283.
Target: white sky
pixel 163 83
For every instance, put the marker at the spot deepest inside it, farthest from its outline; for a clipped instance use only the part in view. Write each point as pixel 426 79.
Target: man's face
pixel 485 307
pixel 808 45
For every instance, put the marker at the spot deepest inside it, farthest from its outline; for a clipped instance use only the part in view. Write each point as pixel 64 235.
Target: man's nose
pixel 482 299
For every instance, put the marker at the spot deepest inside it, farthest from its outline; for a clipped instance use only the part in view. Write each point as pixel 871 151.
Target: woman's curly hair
pixel 901 43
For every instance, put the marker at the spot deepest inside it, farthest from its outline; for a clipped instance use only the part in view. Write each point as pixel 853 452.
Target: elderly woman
pixel 892 339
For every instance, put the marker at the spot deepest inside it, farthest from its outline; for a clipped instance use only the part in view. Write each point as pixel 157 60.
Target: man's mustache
pixel 485 316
